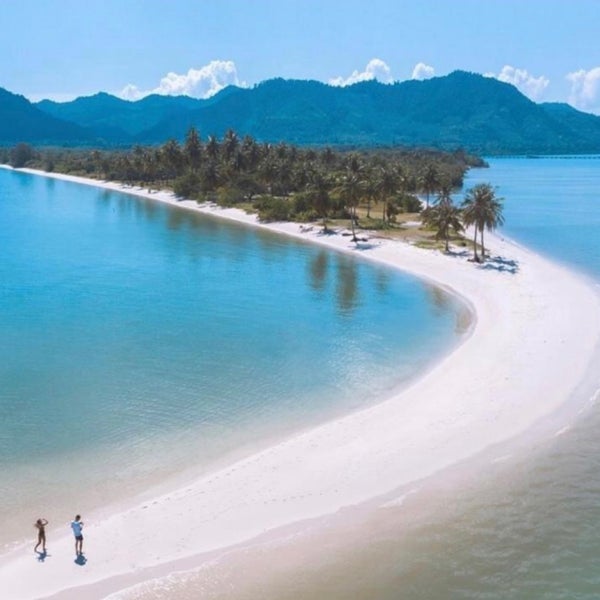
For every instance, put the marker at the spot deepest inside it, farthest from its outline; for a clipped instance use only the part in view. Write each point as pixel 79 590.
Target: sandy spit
pixel 536 329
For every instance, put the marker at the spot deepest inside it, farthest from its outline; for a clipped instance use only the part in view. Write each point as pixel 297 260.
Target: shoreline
pixel 526 354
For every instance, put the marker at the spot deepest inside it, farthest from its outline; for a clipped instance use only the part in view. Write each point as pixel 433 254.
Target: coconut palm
pixel 351 190
pixel 430 182
pixel 444 193
pixel 172 159
pixel 230 144
pixel 318 188
pixel 386 184
pixel 212 147
pixel 483 210
pixel 444 218
pixel 193 149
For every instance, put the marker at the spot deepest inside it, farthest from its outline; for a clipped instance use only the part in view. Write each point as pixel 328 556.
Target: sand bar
pixel 535 333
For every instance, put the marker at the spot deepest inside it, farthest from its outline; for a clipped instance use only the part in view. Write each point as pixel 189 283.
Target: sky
pixel 62 49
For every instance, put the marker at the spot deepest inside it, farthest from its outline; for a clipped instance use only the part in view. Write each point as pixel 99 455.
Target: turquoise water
pixel 139 341
pixel 525 527
pixel 551 204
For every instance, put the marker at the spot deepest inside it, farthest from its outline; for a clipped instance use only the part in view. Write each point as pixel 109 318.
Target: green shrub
pixel 272 209
pixel 187 186
pixel 410 204
pixel 228 196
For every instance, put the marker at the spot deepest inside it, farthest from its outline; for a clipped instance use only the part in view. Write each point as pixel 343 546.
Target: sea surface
pixel 523 525
pixel 143 343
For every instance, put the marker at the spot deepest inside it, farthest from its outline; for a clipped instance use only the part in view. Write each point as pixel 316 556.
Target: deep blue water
pixel 139 340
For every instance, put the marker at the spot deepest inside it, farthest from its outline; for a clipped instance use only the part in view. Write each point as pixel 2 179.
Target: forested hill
pixel 480 114
pixel 22 121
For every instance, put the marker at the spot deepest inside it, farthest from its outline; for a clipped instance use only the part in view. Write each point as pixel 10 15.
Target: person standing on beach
pixel 40 525
pixel 77 526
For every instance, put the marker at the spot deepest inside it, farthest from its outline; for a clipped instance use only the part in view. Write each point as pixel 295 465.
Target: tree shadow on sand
pixel 499 263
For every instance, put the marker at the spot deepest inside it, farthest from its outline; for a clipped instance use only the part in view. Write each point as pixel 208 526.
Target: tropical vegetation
pixel 280 182
pixel 483 210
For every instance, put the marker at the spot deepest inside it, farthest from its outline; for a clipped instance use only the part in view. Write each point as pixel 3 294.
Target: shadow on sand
pixel 499 263
pixel 41 556
pixel 80 560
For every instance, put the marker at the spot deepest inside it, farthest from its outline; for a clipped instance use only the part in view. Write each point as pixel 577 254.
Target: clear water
pixel 524 527
pixel 139 341
pixel 551 205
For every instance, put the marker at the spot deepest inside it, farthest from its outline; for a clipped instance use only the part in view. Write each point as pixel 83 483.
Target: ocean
pixel 524 525
pixel 144 344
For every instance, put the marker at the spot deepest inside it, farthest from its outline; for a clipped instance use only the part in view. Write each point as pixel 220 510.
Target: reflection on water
pixel 177 340
pixel 318 270
pixel 440 300
pixel 347 285
pixel 382 281
pixel 50 183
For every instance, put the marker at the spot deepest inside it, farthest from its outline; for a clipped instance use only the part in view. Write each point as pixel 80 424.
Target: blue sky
pixel 65 48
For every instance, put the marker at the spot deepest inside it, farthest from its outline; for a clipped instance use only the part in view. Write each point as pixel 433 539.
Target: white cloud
pixel 524 81
pixel 375 69
pixel 585 89
pixel 422 71
pixel 198 83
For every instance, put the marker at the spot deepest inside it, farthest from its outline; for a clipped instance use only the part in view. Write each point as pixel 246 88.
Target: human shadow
pixel 80 560
pixel 41 556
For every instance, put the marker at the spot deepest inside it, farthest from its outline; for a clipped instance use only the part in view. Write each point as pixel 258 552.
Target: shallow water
pixel 551 205
pixel 140 341
pixel 525 525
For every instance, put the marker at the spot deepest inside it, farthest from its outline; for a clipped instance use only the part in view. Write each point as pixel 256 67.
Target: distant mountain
pixel 462 109
pixel 480 114
pixel 116 119
pixel 20 121
pixel 585 124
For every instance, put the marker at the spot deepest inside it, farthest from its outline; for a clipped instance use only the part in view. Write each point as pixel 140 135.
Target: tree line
pixel 279 181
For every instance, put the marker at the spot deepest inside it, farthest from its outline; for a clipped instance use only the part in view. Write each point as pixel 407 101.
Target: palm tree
pixel 430 181
pixel 444 193
pixel 370 190
pixel 444 217
pixel 483 210
pixel 212 147
pixel 172 158
pixel 350 191
pixel 251 152
pixel 230 144
pixel 318 188
pixel 386 183
pixel 193 148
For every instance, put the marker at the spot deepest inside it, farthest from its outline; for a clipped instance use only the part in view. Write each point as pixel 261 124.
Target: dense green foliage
pixel 20 155
pixel 279 181
pixel 462 109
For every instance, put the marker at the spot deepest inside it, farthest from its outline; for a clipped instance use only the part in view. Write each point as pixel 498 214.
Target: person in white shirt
pixel 77 526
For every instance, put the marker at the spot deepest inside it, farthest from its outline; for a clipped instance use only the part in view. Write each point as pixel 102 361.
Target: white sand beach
pixel 535 330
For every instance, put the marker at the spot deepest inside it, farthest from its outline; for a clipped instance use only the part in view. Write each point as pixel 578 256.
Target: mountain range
pixel 466 110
